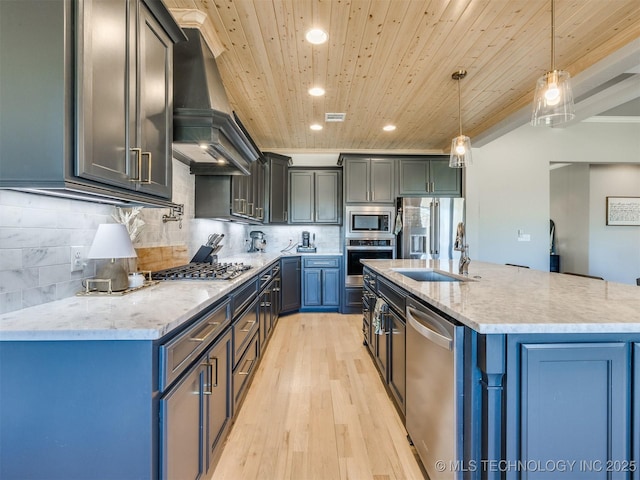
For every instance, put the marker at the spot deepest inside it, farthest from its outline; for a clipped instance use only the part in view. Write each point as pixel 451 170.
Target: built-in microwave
pixel 369 221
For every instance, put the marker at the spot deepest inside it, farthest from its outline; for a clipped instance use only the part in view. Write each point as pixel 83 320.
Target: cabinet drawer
pixel 244 370
pixel 178 353
pixel 394 296
pixel 243 295
pixel 326 262
pixel 243 329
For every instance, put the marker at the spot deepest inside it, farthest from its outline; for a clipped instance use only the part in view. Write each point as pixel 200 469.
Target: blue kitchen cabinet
pixel 574 406
pixel 321 283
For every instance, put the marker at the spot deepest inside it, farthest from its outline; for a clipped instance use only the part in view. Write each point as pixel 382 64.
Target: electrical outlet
pixel 78 260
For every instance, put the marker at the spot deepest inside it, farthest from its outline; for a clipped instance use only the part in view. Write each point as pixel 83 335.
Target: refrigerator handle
pixel 435 229
pixel 431 227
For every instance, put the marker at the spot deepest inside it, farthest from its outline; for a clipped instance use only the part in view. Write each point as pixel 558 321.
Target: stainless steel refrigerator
pixel 428 229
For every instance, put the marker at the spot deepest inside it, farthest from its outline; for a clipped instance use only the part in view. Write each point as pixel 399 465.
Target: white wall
pixel 614 251
pixel 569 206
pixel 508 187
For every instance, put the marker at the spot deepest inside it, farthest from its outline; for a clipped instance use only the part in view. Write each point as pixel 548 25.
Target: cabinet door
pixel 328 205
pixel 357 180
pixel 218 382
pixel 302 197
pixel 414 177
pixel 259 189
pixel 397 360
pixel 331 287
pixel 444 179
pixel 103 75
pixel 575 404
pixel 155 96
pixel 312 287
pixel 239 191
pixel 182 425
pixel 278 190
pixel 290 287
pixel 382 189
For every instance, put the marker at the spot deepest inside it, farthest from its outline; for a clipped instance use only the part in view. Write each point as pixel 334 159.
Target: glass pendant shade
pixel 553 100
pixel 460 155
pixel 460 152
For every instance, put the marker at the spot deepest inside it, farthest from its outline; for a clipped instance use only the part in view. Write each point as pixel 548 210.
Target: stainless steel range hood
pixel 206 134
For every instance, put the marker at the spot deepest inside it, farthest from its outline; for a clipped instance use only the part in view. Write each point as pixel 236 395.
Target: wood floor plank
pixel 317 410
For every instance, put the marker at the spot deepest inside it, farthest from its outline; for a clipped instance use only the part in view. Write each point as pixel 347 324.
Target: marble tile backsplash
pixel 38 231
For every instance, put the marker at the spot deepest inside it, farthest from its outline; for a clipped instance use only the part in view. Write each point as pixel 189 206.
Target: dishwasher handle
pixel 427 326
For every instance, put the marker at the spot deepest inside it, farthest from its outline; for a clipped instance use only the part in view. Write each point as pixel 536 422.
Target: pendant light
pixel 461 145
pixel 553 100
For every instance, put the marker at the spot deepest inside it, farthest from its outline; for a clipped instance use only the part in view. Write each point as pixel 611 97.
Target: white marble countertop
pixel 505 299
pixel 145 314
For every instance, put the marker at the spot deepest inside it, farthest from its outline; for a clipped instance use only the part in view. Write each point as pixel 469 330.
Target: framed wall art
pixel 623 211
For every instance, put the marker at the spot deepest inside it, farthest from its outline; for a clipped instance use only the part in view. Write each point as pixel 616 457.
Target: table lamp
pixel 112 241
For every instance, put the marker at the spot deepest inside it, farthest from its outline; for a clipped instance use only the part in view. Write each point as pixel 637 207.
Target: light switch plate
pixel 78 259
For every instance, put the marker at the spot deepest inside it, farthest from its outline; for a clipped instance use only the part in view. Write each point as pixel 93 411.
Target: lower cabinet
pixel 397 368
pixel 321 286
pixel 195 413
pixel 290 284
pixel 574 405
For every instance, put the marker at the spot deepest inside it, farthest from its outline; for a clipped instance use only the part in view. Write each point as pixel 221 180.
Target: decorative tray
pixel 100 287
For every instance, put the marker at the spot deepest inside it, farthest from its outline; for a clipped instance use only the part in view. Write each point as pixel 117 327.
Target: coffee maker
pixel 307 246
pixel 257 241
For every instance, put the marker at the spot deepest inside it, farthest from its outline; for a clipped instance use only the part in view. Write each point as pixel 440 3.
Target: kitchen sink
pixel 427 275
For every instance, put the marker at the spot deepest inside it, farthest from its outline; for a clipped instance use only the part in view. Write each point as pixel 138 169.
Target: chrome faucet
pixel 463 248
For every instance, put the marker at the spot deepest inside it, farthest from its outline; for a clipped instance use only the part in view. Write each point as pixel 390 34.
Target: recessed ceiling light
pixel 316 126
pixel 316 36
pixel 316 91
pixel 389 128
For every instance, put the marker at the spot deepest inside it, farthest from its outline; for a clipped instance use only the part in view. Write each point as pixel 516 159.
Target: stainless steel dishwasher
pixel 434 382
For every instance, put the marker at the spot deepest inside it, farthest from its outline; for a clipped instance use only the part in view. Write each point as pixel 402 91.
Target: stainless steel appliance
pixel 368 221
pixel 434 389
pixel 356 249
pixel 202 271
pixel 428 226
pixel 307 246
pixel 257 241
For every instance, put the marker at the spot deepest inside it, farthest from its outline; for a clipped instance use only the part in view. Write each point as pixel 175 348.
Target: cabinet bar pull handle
pixel 250 209
pixel 246 371
pixel 248 325
pixel 215 384
pixel 148 180
pixel 204 337
pixel 208 389
pixel 138 162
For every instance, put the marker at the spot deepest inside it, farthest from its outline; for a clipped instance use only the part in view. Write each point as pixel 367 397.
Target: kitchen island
pixel 551 369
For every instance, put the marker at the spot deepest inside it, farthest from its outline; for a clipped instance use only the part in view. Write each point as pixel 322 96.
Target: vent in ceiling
pixel 334 117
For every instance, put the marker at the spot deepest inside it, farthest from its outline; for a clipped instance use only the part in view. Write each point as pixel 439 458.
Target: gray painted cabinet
pixel 369 180
pixel 125 106
pixel 290 268
pixel 315 196
pixel 103 72
pixel 277 186
pixel 429 176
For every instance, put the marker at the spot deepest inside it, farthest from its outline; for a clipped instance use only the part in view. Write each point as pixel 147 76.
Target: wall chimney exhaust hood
pixel 206 134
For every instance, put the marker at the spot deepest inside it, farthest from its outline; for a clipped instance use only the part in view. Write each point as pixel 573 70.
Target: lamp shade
pixel 553 100
pixel 112 241
pixel 460 156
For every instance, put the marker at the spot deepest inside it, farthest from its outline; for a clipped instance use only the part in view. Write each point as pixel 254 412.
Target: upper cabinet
pixel 277 188
pixel 315 196
pixel 125 97
pixel 429 176
pixel 95 116
pixel 369 180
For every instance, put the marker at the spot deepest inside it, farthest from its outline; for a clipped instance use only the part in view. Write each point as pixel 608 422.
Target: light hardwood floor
pixel 317 409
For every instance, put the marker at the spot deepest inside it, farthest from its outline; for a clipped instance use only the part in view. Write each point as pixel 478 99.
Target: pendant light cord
pixel 459 107
pixel 553 35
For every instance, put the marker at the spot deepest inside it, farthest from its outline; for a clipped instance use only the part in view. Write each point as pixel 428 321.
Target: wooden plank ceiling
pixel 390 61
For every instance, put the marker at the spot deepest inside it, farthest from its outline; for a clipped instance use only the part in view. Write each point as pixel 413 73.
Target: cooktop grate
pixel 202 271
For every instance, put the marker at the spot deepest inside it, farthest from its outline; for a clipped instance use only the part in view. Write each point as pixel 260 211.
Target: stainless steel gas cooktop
pixel 202 271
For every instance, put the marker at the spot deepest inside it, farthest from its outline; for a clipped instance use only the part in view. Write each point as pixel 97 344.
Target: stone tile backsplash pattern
pixel 38 231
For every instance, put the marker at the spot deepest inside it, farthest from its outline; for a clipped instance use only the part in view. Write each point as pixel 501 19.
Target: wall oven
pixel 357 249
